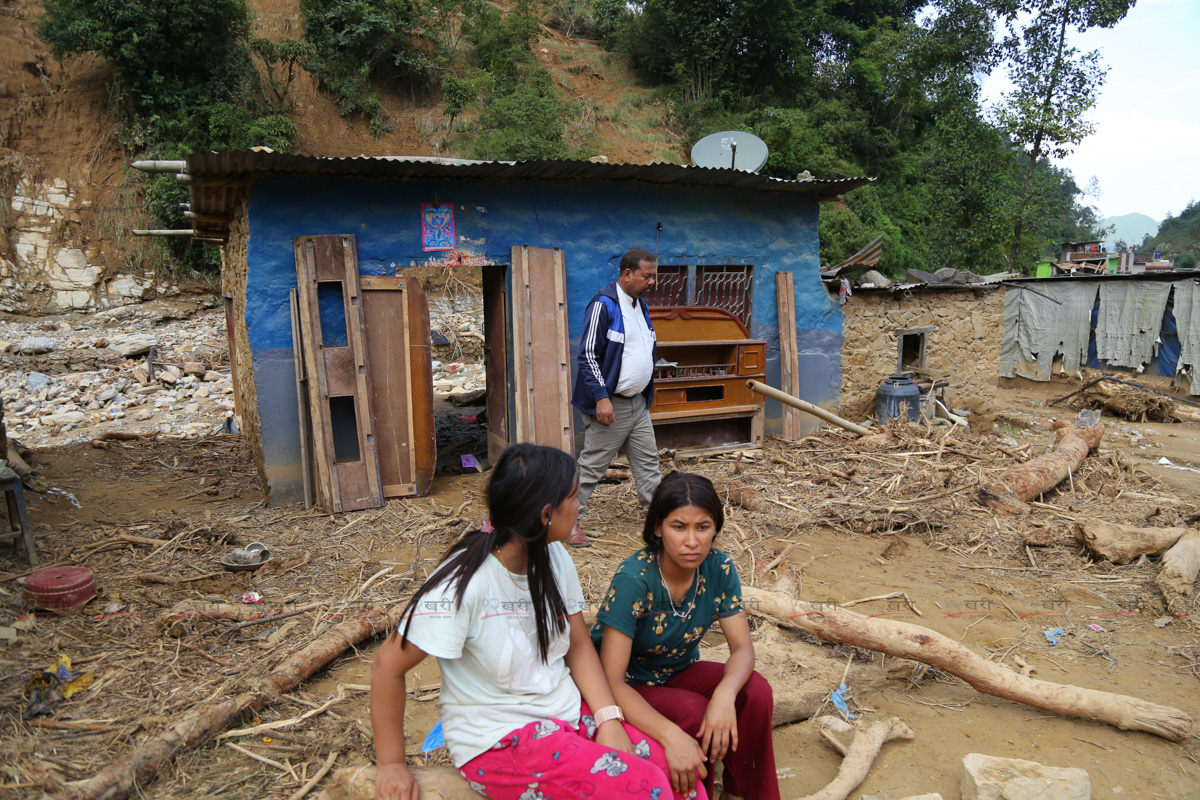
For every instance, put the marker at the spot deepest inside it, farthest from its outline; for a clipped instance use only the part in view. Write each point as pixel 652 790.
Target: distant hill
pixel 1129 228
pixel 1178 238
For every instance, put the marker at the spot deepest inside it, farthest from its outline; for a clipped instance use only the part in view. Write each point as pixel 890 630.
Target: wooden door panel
pixel 345 483
pixel 541 358
pixel 396 320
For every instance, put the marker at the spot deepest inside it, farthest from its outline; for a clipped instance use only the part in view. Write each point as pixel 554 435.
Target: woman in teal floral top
pixel 659 605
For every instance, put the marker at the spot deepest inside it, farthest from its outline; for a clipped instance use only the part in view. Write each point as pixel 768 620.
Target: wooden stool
pixel 18 517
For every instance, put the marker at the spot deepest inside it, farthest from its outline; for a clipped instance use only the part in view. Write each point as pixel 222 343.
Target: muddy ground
pixel 154 517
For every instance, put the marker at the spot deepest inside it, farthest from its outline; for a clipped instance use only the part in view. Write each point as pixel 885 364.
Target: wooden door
pixel 541 373
pixel 331 325
pixel 496 310
pixel 399 350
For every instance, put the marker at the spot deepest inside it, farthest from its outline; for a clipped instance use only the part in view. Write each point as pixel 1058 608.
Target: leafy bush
pixel 358 42
pixel 575 18
pixel 524 122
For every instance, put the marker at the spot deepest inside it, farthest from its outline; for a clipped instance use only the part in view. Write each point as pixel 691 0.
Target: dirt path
pixel 964 569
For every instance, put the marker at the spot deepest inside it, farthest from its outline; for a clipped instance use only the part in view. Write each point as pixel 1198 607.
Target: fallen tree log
pixel 741 495
pixel 1180 566
pixel 1121 544
pixel 1017 486
pixel 437 783
pixel 1048 536
pixel 905 640
pixel 139 766
pixel 1109 389
pixel 175 619
pixel 857 758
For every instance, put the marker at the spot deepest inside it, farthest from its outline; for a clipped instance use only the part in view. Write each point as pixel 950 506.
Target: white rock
pixel 34 381
pixel 213 376
pixel 991 778
pixel 202 392
pixel 36 344
pixel 70 300
pixel 132 344
pixel 143 415
pixel 107 394
pixel 128 287
pixel 192 408
pixel 65 418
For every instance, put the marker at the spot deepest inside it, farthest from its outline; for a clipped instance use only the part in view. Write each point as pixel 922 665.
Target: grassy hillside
pixel 1178 237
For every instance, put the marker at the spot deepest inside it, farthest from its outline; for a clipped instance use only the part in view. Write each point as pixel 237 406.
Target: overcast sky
pixel 1146 148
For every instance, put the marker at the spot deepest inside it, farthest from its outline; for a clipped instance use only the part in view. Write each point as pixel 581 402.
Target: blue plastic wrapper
pixel 1052 636
pixel 839 700
pixel 434 740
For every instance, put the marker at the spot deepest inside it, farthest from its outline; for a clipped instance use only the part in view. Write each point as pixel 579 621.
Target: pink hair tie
pixel 486 527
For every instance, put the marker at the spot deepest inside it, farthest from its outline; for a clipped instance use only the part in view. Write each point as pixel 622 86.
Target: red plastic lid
pixel 62 587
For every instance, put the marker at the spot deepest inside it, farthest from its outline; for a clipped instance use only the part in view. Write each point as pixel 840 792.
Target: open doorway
pixel 460 389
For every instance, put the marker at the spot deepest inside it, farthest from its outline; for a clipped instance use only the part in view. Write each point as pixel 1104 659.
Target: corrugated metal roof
pixel 216 180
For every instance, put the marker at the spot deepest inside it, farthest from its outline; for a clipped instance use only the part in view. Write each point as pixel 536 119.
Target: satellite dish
pixel 730 150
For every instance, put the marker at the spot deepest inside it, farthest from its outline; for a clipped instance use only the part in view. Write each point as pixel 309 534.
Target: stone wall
pixel 965 348
pixel 51 267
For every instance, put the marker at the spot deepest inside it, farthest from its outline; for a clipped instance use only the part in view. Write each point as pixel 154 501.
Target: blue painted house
pixel 256 203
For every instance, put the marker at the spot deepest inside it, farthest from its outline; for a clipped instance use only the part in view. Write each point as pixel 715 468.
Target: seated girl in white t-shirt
pixel 503 615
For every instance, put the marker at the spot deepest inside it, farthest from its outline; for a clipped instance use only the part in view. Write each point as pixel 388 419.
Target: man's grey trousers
pixel 631 430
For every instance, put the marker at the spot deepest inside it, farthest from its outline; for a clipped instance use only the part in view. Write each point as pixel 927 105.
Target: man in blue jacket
pixel 614 384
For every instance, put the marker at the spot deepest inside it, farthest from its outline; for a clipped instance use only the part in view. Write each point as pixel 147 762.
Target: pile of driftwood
pixel 328 589
pixel 1133 401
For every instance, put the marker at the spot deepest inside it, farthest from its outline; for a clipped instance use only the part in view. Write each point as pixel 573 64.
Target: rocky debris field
pixel 456 324
pixel 142 372
pixel 145 370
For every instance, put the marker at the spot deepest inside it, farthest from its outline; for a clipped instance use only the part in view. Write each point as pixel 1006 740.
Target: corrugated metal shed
pixel 217 181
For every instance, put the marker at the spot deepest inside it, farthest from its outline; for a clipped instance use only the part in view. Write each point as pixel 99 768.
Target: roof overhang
pixel 217 182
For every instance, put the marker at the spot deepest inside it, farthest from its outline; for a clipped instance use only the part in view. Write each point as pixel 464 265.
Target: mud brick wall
pixel 965 348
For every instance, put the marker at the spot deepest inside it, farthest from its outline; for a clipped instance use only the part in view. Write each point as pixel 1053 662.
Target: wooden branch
pixel 905 640
pixel 1012 490
pixel 741 495
pixel 139 766
pixel 172 619
pixel 859 755
pixel 1180 566
pixel 437 783
pixel 1121 544
pixel 315 779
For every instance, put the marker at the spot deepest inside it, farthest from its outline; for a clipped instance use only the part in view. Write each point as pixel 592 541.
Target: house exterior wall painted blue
pixel 594 223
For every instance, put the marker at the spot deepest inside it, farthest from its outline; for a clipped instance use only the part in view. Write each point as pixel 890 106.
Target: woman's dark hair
pixel 525 480
pixel 677 490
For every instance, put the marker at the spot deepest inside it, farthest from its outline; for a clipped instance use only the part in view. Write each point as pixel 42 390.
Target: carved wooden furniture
pixel 701 400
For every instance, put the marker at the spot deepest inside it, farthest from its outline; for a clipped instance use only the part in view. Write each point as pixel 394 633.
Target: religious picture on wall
pixel 437 226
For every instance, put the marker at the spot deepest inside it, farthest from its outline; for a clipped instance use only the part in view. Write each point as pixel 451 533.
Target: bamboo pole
pixel 804 405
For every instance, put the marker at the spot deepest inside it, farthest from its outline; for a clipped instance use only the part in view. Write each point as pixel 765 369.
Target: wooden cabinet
pixel 701 400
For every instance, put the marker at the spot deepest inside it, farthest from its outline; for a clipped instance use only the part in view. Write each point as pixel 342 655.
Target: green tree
pixel 1054 86
pixel 284 56
pixel 357 43
pixel 166 55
